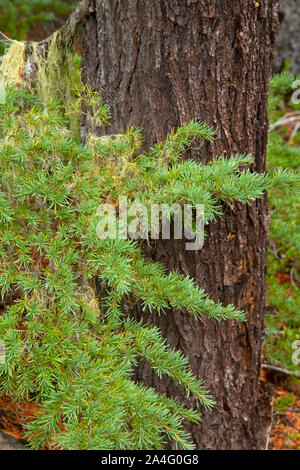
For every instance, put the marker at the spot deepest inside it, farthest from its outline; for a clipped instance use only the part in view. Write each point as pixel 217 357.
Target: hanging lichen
pixel 47 67
pixel 55 71
pixel 13 63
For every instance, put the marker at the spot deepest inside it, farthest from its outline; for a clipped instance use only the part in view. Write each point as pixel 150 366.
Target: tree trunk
pixel 161 63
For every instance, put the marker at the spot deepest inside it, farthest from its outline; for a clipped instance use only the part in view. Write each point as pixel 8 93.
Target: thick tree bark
pixel 161 63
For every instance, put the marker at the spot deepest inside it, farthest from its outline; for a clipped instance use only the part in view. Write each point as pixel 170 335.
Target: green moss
pixel 283 277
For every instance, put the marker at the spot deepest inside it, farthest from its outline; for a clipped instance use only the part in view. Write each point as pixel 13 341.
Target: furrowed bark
pixel 159 64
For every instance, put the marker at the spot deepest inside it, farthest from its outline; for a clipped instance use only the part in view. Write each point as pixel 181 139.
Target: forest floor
pixel 284 431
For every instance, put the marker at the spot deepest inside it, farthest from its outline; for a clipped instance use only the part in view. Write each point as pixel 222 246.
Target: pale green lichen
pixel 55 71
pixel 13 63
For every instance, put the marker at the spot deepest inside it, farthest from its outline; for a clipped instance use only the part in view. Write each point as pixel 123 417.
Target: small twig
pixel 6 38
pixel 282 371
pixel 286 119
pixel 296 129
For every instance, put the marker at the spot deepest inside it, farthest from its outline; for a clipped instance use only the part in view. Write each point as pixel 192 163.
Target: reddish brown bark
pixel 158 64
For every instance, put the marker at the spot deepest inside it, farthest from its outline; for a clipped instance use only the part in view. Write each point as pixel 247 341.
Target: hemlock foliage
pixel 69 345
